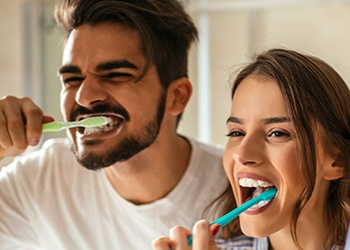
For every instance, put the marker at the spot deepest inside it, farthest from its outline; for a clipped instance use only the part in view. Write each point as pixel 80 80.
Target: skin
pixel 85 85
pixel 262 146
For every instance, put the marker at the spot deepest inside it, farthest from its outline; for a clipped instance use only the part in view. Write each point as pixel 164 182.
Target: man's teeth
pixel 98 129
pixel 248 182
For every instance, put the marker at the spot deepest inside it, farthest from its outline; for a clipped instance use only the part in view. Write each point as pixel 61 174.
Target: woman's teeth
pixel 253 188
pixel 259 205
pixel 248 182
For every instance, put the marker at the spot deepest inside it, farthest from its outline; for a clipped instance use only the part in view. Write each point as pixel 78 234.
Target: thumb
pixel 47 119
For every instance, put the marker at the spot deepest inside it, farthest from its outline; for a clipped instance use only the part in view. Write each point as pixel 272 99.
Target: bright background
pixel 231 32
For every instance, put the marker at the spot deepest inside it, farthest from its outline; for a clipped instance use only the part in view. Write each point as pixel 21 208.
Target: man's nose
pixel 90 93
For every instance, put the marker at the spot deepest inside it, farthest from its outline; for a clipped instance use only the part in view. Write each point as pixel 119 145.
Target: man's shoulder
pixel 206 160
pixel 53 152
pixel 55 149
pixel 63 143
pixel 215 150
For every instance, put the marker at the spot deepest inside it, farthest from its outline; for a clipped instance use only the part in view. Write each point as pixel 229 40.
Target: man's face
pixel 101 65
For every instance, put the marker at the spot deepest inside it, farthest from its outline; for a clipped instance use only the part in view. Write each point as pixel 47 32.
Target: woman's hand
pixel 203 238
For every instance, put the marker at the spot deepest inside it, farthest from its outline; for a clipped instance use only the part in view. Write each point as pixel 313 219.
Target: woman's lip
pixel 253 176
pixel 243 191
pixel 260 210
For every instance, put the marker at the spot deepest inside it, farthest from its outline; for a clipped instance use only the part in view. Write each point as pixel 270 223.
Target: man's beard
pixel 125 149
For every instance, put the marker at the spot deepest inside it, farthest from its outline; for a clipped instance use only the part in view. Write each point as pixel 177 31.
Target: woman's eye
pixel 277 133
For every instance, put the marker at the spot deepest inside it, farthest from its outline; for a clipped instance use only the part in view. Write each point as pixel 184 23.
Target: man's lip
pixel 117 121
pixel 103 135
pixel 113 116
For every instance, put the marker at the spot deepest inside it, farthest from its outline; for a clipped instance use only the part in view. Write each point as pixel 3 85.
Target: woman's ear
pixel 335 170
pixel 179 93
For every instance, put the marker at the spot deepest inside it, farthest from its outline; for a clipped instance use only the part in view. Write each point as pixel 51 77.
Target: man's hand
pixel 20 125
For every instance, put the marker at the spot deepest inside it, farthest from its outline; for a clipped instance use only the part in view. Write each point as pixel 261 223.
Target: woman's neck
pixel 311 233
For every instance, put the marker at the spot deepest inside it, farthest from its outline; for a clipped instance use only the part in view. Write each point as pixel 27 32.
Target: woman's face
pixel 261 153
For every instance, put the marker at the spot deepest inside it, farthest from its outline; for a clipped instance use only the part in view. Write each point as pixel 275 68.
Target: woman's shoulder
pixel 242 242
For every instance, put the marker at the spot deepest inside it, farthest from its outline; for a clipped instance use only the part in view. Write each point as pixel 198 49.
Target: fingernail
pixel 216 229
pixel 33 141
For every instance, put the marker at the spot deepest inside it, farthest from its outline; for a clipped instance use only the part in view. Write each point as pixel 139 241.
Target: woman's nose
pixel 249 151
pixel 90 92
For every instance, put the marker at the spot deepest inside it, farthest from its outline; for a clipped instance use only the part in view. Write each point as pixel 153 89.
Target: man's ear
pixel 335 170
pixel 179 93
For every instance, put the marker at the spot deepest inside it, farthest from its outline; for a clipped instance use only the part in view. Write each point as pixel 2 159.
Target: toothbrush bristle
pixel 96 121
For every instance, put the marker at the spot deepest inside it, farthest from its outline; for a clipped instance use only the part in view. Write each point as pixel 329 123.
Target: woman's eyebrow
pixel 264 121
pixel 276 120
pixel 234 120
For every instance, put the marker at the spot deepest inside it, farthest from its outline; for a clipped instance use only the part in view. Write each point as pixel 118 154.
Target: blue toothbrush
pixel 230 216
pixel 95 121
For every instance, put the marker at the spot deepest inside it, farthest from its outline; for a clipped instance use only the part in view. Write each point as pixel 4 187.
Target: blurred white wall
pixel 240 28
pixel 10 48
pixel 231 31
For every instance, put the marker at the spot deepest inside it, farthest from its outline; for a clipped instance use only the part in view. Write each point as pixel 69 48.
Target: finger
pixel 163 243
pixel 34 118
pixel 5 139
pixel 47 119
pixel 6 145
pixel 12 125
pixel 201 235
pixel 214 230
pixel 179 235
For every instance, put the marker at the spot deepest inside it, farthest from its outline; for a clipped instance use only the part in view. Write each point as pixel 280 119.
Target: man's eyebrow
pixel 66 69
pixel 69 69
pixel 264 121
pixel 115 65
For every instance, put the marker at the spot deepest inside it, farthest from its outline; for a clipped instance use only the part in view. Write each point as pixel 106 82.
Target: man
pixel 126 60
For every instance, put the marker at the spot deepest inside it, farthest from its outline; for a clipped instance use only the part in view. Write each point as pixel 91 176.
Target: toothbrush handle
pixel 52 127
pixel 227 218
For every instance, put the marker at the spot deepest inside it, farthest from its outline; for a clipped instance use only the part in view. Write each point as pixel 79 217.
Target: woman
pixel 289 128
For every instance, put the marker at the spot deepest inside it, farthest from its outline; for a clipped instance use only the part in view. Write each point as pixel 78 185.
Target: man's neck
pixel 153 173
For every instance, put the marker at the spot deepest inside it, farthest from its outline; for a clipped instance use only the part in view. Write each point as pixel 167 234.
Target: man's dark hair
pixel 166 30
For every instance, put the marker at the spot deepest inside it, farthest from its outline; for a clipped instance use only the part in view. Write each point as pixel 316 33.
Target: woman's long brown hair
pixel 314 93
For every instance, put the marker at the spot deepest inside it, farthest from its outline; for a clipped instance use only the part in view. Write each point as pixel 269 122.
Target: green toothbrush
pixel 95 121
pixel 230 216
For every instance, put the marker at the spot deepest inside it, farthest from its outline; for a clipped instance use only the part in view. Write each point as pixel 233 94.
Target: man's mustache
pixel 99 109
